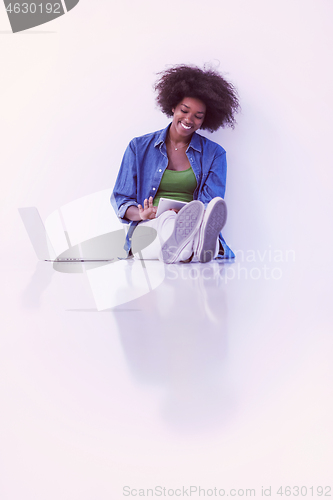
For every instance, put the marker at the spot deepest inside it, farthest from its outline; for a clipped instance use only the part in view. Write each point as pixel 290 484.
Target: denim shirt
pixel 143 166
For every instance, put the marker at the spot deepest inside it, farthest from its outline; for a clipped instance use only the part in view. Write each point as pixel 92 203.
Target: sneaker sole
pixel 186 226
pixel 212 224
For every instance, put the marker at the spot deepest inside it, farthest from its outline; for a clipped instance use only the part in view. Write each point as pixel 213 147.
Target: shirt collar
pixel 195 141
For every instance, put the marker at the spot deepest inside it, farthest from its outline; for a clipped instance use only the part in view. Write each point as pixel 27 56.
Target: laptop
pixel 103 248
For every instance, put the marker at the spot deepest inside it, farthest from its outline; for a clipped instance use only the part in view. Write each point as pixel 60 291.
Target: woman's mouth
pixel 186 127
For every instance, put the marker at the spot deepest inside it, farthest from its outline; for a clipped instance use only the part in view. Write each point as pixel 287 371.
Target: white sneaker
pixel 187 224
pixel 213 221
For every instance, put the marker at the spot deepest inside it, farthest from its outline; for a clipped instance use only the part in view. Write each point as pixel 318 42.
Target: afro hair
pixel 219 96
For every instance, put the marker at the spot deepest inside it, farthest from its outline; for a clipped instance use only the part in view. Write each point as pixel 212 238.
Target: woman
pixel 180 164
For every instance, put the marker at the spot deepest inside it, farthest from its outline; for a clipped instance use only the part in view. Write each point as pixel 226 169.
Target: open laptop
pixel 103 248
pixel 106 247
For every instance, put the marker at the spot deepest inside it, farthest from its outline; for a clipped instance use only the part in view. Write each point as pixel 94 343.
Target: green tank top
pixel 177 185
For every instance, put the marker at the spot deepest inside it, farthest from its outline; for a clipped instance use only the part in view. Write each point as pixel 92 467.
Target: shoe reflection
pixel 177 342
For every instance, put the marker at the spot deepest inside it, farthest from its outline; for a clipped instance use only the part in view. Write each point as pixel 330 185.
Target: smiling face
pixel 188 117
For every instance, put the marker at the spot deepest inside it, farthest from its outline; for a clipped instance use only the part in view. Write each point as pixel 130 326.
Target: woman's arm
pixel 125 190
pixel 215 181
pixel 124 196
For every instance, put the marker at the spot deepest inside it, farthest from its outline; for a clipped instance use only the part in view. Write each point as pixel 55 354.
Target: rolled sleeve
pixel 122 209
pixel 125 190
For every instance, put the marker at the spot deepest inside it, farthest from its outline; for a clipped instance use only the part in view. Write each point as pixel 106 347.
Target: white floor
pixel 122 379
pixel 220 377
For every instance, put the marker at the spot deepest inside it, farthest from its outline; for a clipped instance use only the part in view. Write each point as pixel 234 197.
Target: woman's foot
pixel 187 224
pixel 213 221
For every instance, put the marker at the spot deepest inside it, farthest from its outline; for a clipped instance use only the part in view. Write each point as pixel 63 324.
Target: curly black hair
pixel 219 96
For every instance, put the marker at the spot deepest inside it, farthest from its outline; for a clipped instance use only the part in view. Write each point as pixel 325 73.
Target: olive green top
pixel 177 185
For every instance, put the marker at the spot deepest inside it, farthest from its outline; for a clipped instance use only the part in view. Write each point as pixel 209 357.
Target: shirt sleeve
pixel 215 182
pixel 125 190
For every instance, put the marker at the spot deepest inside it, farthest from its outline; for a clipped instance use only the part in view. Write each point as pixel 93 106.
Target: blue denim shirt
pixel 144 163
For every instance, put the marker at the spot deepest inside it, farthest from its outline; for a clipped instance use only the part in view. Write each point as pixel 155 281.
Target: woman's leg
pixel 175 234
pixel 206 244
pixel 163 225
pixel 179 245
pixel 192 232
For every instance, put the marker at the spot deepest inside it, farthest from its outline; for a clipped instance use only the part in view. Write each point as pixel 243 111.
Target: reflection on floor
pixel 164 374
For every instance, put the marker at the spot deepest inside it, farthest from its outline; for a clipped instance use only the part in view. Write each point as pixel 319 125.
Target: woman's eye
pixel 183 111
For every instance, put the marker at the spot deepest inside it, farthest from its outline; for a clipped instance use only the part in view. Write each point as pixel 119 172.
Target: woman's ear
pixel 173 110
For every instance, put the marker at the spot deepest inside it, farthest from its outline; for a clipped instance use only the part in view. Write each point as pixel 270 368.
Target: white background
pixel 73 94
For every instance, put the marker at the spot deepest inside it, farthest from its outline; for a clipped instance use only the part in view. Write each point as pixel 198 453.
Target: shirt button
pixel 153 189
pixel 160 170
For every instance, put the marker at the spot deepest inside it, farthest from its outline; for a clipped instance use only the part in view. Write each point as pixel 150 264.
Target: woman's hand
pixel 148 211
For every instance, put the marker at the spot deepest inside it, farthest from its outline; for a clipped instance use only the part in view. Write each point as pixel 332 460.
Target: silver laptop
pixel 104 248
